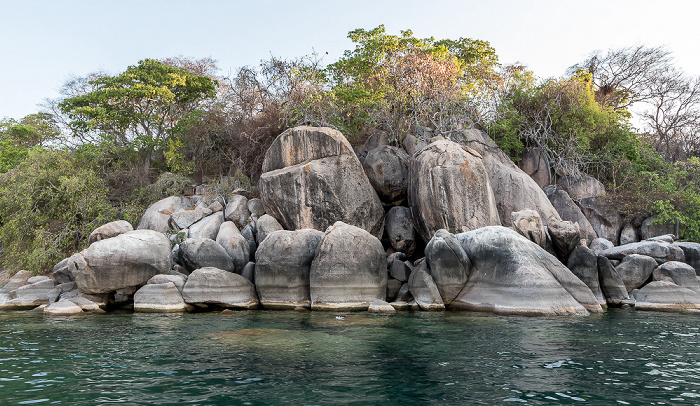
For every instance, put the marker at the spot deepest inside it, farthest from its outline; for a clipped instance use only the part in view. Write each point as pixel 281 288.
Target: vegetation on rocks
pixel 114 144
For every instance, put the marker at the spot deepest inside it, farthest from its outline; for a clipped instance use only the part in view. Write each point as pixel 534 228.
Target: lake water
pixel 314 358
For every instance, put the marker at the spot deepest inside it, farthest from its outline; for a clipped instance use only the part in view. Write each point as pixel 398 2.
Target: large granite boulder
pixel 33 294
pixel 128 260
pixel 237 210
pixel 691 253
pixel 181 220
pixel 398 225
pixel 197 253
pixel 628 234
pixel 386 168
pixel 679 273
pixel 569 211
pixel 611 284
pixel 581 186
pixel 513 189
pixel 534 163
pixel 217 287
pixel 63 308
pixel 605 219
pixel 208 227
pixel 600 244
pixel 234 244
pixel 635 270
pixel 666 296
pixel 157 215
pixel 660 251
pixel 110 230
pixel 565 236
pixel 529 224
pixel 265 226
pixel 650 229
pixel 584 264
pixel 449 189
pixel 312 178
pixel 448 265
pixel 61 272
pixel 512 275
pixel 160 297
pixel 424 290
pixel 349 270
pixel 283 266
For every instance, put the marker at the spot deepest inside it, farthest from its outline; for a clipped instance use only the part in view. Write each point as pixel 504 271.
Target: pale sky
pixel 42 43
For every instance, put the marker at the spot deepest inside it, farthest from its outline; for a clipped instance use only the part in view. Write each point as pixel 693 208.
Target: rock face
pixel 349 270
pixel 424 290
pixel 611 283
pixel 513 275
pixel 606 221
pixel 234 244
pixel 691 251
pixel 581 187
pixel 399 228
pixel 649 229
pixel 212 286
pixel 448 265
pixel 312 178
pixel 513 189
pixel 584 264
pixel 386 168
pixel 197 253
pixel 282 268
pixel 110 230
pixel 449 189
pixel 666 296
pixel 158 214
pixel 128 260
pixel 161 297
pixel 635 270
pixel 660 251
pixel 569 211
pixel 528 224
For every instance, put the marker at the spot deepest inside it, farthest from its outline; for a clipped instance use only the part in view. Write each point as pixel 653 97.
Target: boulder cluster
pixel 444 224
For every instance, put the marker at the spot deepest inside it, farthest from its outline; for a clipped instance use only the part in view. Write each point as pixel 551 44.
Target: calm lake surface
pixel 313 358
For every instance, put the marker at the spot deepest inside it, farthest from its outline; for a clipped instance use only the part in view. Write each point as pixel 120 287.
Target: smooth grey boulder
pixel 213 286
pixel 386 168
pixel 381 306
pixel 513 189
pixel 208 227
pixel 584 264
pixel 628 234
pixel 582 186
pixel 256 208
pixel 528 223
pixel 64 308
pixel 534 163
pixel 667 238
pixel 61 272
pixel 649 229
pixel 202 252
pixel 569 211
pixel 60 289
pixel 110 230
pixel 237 210
pixel 565 237
pixel 392 289
pixel 159 297
pixel 349 270
pixel 424 290
pixel 399 270
pixel 18 279
pixel 128 260
pixel 679 273
pixel 216 206
pixel 283 266
pixel 249 272
pixel 448 265
pixel 601 244
pixel 312 178
pixel 235 245
pixel 264 226
pixel 512 275
pixel 412 145
pixel 635 270
pixel 605 219
pixel 177 280
pixel 249 234
pixel 611 284
pixel 158 214
pixel 666 296
pixel 181 220
pixel 691 254
pixel 398 225
pixel 660 251
pixel 449 189
pixel 30 295
pixel 375 140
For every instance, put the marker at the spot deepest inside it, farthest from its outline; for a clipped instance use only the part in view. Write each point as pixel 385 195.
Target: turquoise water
pixel 273 358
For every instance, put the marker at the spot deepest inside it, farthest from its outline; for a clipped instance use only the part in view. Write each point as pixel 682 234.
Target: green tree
pixel 140 108
pixel 18 137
